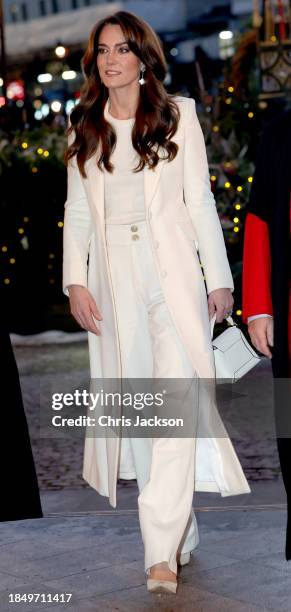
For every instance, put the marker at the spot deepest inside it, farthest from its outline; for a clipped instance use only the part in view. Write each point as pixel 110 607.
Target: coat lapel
pixel 151 181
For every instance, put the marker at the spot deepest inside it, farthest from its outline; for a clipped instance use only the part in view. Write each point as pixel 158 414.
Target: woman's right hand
pixel 84 308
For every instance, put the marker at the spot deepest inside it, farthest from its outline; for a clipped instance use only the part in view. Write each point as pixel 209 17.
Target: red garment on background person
pixel 256 279
pixel 256 294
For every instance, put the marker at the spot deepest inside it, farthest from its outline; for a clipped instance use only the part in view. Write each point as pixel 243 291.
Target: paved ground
pixel 86 548
pixel 237 567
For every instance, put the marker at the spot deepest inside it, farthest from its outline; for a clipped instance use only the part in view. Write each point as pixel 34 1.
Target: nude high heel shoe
pixel 159 585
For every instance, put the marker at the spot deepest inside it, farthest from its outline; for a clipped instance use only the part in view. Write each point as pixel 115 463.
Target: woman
pixel 144 283
pixel 267 276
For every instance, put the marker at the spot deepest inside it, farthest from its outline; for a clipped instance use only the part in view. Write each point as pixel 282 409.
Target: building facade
pixel 24 10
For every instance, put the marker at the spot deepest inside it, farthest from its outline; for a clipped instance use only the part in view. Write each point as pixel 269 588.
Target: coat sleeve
pixel 256 271
pixel 77 228
pixel 201 205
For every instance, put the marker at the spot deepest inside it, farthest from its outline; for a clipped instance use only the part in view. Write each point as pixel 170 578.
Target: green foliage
pixel 38 148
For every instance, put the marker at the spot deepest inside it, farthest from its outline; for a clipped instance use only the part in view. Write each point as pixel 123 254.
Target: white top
pixel 123 189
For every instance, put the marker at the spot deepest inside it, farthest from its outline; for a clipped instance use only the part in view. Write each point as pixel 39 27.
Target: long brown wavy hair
pixel 157 115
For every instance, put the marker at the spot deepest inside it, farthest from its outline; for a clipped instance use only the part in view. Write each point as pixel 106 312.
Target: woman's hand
pixel 221 302
pixel 261 332
pixel 84 308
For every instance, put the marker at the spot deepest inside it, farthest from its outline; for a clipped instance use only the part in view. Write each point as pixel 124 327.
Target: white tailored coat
pixel 181 218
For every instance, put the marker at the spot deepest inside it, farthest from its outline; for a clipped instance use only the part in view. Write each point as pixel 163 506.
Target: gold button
pixel 135 236
pixel 134 228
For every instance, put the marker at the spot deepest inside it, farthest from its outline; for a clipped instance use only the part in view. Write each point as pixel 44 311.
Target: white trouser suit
pixel 150 348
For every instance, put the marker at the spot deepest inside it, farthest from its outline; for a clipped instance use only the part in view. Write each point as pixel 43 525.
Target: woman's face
pixel 113 53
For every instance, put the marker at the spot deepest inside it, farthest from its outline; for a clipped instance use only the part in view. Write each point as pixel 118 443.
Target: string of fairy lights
pixel 230 190
pixel 8 247
pixel 238 190
pixel 237 205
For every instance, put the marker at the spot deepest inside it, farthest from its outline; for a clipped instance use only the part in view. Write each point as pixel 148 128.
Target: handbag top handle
pixel 229 319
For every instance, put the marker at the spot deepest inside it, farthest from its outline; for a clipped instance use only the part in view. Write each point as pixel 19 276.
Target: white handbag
pixel 233 355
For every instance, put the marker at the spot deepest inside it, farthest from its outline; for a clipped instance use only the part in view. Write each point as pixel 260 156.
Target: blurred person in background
pixel 19 487
pixel 267 275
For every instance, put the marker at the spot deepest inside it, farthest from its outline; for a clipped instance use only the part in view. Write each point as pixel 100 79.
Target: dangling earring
pixel 141 80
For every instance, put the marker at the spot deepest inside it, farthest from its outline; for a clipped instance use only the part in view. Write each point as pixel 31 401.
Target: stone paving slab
pixel 192 599
pixel 238 565
pixel 249 583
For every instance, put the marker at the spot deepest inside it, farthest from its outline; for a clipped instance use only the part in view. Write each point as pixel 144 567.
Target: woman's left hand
pixel 221 302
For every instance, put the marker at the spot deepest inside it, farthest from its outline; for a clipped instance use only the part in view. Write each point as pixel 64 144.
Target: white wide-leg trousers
pixel 151 348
